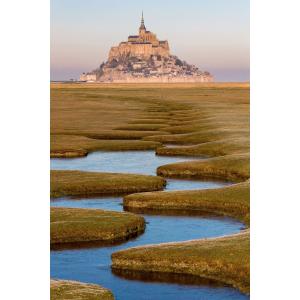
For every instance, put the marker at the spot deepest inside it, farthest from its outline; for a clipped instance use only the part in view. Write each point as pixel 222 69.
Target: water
pixel 93 264
pixel 137 162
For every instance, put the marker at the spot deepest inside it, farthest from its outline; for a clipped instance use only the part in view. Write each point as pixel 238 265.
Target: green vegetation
pixel 74 290
pixel 230 201
pixel 224 259
pixel 79 183
pixel 77 225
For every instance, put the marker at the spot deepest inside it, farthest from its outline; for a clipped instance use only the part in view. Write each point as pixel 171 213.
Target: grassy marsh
pixel 209 120
pixel 225 259
pixel 230 201
pixel 76 145
pixel 77 225
pixel 79 183
pixel 230 167
pixel 210 149
pixel 74 290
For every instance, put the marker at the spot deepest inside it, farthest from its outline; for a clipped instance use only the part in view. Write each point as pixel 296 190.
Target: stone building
pixel 90 77
pixel 144 58
pixel 142 45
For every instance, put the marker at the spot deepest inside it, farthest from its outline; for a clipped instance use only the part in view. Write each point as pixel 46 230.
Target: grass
pixel 116 134
pixel 210 120
pixel 75 145
pixel 77 225
pixel 232 201
pixel 79 183
pixel 74 290
pixel 143 127
pixel 230 167
pixel 212 149
pixel 224 259
pixel 203 113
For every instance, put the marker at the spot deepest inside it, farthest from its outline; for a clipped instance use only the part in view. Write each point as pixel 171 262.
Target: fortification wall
pixel 162 79
pixel 140 50
pixel 88 77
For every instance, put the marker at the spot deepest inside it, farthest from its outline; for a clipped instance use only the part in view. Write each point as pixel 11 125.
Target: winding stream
pixel 93 264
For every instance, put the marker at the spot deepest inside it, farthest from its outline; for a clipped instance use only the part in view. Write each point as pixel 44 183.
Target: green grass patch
pixel 79 183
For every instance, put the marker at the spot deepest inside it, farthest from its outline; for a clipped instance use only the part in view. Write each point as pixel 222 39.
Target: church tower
pixel 142 29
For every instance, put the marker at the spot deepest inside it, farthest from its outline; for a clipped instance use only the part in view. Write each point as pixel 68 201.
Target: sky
pixel 214 35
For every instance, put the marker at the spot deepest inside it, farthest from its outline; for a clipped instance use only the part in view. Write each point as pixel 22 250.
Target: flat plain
pixel 204 120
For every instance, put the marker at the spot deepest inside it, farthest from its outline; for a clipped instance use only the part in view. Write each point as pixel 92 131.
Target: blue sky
pixel 212 34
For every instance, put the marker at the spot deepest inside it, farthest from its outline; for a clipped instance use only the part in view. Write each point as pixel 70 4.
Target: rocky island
pixel 144 58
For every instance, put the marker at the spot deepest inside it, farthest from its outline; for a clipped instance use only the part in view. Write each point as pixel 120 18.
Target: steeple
pixel 142 27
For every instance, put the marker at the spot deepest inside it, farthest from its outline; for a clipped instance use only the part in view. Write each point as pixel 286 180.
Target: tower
pixel 142 28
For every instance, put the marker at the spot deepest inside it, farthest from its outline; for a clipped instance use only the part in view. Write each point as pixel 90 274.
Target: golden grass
pixel 224 259
pixel 75 145
pixel 233 201
pixel 210 119
pixel 74 290
pixel 79 183
pixel 230 167
pixel 77 225
pixel 216 148
pixel 203 112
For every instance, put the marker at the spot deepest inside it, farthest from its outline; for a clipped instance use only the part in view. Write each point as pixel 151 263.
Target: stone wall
pixel 88 77
pixel 162 79
pixel 140 50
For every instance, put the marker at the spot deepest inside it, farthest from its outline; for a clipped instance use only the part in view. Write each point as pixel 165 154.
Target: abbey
pixel 144 58
pixel 143 45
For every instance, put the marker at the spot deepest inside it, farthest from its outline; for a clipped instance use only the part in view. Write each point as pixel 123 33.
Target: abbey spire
pixel 145 58
pixel 142 27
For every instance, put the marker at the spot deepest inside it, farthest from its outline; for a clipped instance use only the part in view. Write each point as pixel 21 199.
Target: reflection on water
pixel 138 162
pixel 92 264
pixel 166 277
pixel 107 203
